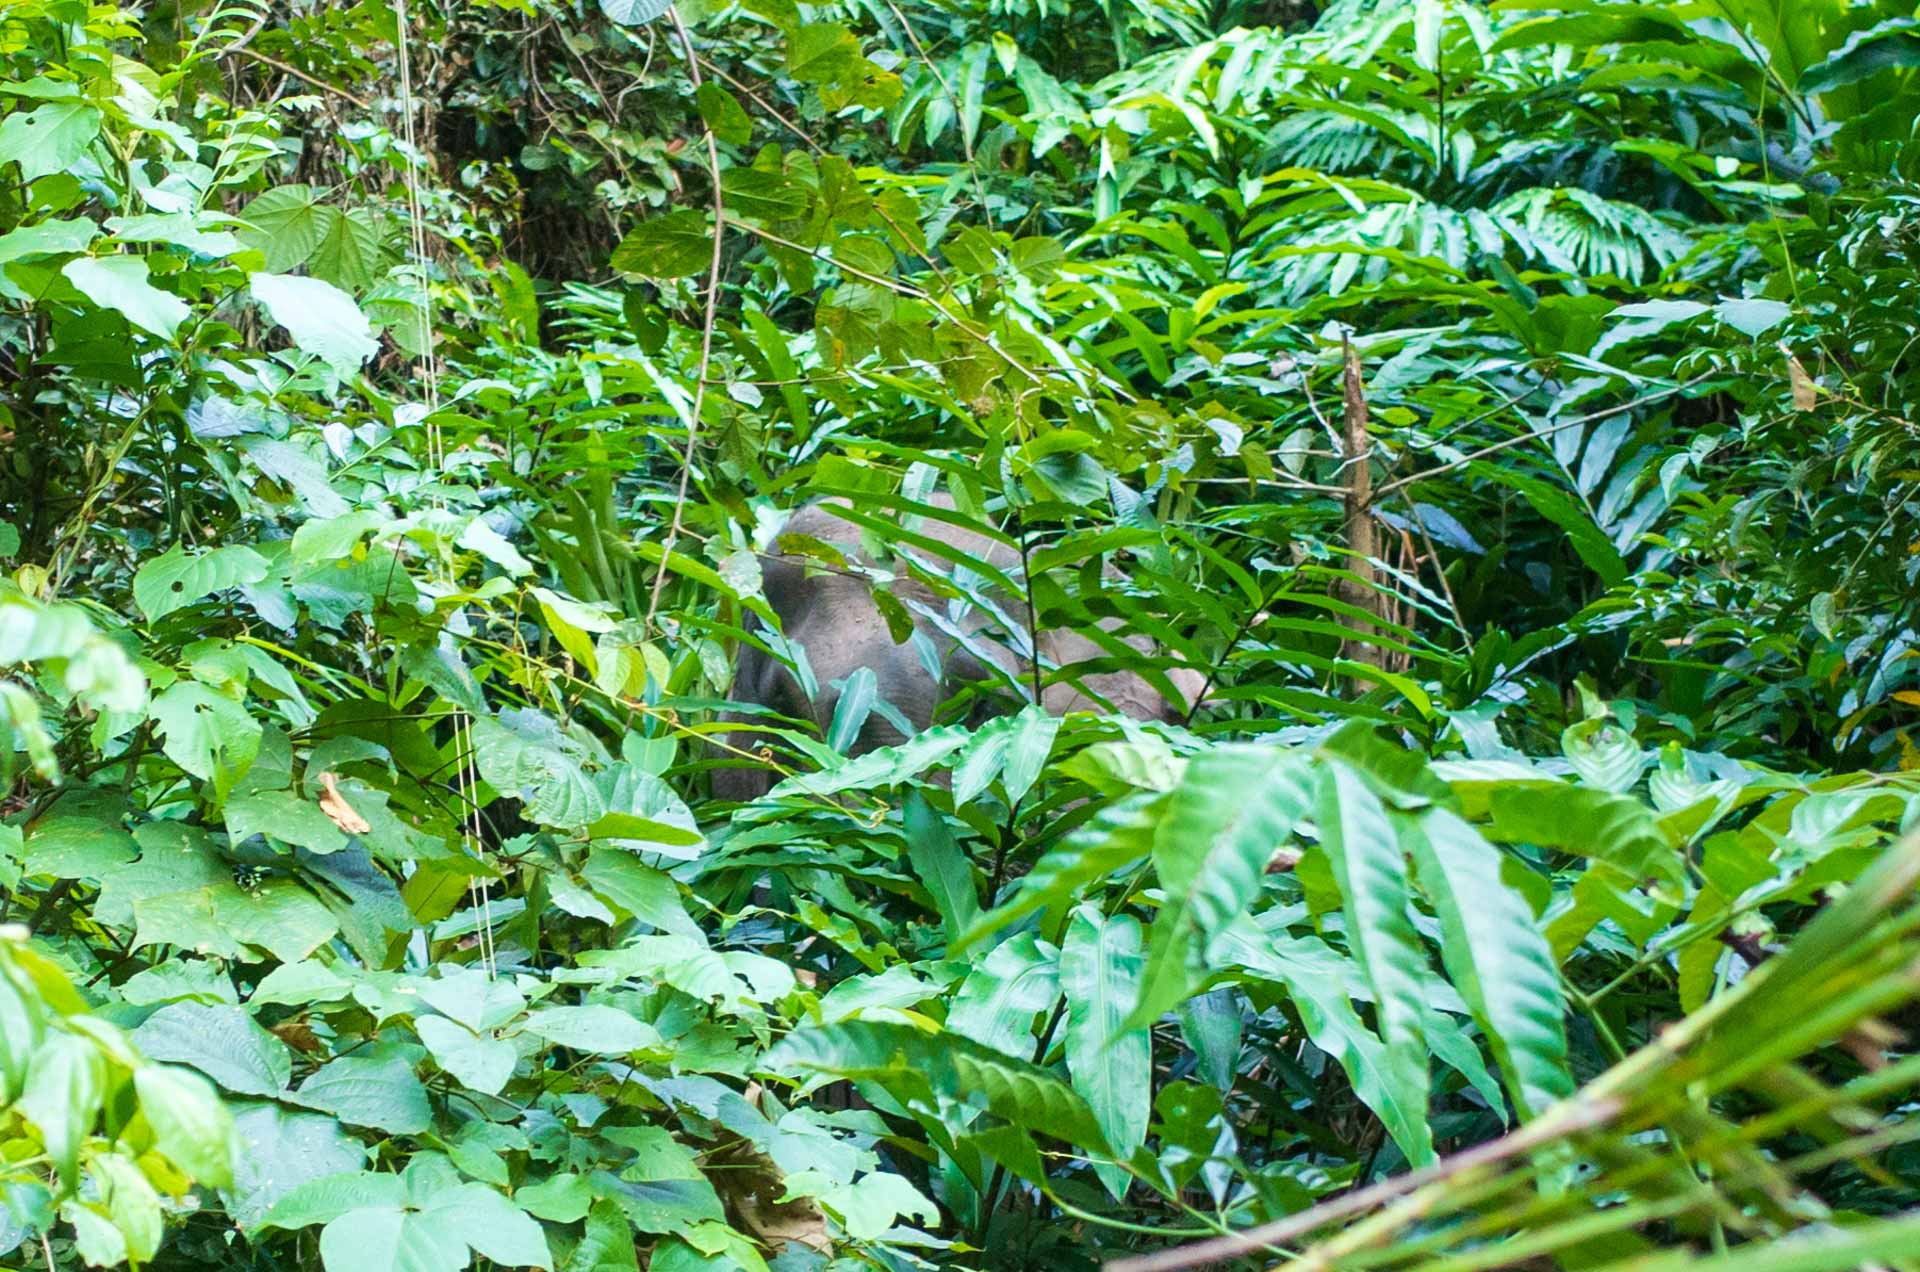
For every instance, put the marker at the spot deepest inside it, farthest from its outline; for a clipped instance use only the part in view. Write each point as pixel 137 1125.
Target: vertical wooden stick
pixel 1363 538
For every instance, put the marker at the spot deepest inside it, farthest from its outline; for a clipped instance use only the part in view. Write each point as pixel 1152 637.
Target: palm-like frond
pixel 1728 1129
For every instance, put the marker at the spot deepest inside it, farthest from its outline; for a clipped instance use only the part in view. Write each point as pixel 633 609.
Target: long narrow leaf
pixel 1496 956
pixel 1111 1065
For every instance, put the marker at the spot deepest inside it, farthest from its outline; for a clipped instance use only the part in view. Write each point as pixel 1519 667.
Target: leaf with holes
pixel 49 139
pixel 207 734
pixel 174 580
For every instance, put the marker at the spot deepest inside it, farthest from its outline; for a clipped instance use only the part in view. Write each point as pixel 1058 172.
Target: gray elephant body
pixel 831 615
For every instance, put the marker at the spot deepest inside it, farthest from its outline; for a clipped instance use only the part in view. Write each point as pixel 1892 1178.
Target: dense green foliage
pixel 1504 407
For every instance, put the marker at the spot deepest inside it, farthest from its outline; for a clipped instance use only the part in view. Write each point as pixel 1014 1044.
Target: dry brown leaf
pixel 338 811
pixel 1806 394
pixel 297 1034
pixel 750 1187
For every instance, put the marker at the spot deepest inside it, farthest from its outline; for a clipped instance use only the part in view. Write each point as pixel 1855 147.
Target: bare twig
pixel 1363 547
pixel 706 329
pixel 909 290
pixel 807 140
pixel 959 114
pixel 299 74
pixel 1460 620
pixel 1395 486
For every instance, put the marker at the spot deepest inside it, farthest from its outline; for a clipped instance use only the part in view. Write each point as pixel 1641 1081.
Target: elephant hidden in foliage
pixel 829 613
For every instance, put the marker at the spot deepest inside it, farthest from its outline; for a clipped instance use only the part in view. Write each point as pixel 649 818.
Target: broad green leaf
pixel 1497 958
pixel 206 733
pixel 284 816
pixel 720 110
pixel 322 319
pixel 980 761
pixel 219 918
pixel 76 845
pixel 278 1150
pixel 822 52
pixel 1211 1025
pixel 174 580
pixel 64 1091
pixel 562 1198
pixel 1034 731
pixel 331 538
pixel 1754 316
pixel 493 1226
pixel 762 195
pixel 1887 45
pixel 870 1207
pixel 1146 763
pixel 670 245
pixel 191 979
pixel 222 1042
pixel 190 1125
pixel 48 139
pixel 545 773
pixel 202 233
pixel 1101 963
pixel 120 283
pixel 1615 829
pixel 473 998
pixel 47 238
pixel 287 223
pixel 96 1239
pixel 597 1030
pixel 23 1023
pixel 643 892
pixel 1001 996
pixel 607 1245
pixel 348 254
pixel 883 766
pixel 390 1239
pixel 482 1063
pixel 131 1202
pixel 1013 748
pixel 571 622
pixel 634 12
pixel 1453 1045
pixel 364 1091
pixel 325 1198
